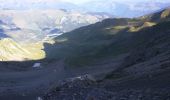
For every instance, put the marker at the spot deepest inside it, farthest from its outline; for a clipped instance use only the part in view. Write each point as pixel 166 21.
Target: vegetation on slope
pixel 13 51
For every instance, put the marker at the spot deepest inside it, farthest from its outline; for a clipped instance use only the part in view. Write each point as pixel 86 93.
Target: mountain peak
pixel 165 13
pixel 161 15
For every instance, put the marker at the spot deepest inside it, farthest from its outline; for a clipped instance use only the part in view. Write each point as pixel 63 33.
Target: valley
pixel 27 31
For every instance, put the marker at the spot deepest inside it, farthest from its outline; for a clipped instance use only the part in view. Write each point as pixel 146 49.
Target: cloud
pixel 144 7
pixel 83 1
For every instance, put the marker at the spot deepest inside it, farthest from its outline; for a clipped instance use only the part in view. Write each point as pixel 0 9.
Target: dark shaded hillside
pixel 151 55
pixel 109 38
pixel 156 40
pixel 15 66
pixel 82 45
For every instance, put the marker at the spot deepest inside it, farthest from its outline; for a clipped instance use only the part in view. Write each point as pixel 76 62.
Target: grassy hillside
pixel 13 51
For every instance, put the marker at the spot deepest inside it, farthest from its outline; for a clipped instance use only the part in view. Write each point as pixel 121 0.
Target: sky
pixel 83 1
pixel 113 7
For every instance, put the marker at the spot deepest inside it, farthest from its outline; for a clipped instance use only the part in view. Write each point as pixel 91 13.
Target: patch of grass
pixel 165 13
pixel 138 28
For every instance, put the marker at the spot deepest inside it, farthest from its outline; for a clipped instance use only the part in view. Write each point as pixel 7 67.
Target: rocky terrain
pixel 143 88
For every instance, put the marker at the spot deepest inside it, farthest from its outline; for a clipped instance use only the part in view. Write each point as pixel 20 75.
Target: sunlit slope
pixel 158 16
pixel 13 51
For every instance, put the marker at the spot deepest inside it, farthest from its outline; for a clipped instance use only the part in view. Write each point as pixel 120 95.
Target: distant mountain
pixel 35 25
pixel 28 5
pixel 124 9
pixel 2 33
pixel 22 33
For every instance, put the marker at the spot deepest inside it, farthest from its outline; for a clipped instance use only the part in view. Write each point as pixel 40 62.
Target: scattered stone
pixel 37 65
pixel 39 98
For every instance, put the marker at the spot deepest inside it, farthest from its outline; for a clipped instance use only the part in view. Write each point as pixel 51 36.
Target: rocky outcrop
pixel 86 89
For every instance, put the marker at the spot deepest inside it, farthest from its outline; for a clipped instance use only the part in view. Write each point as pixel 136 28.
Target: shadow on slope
pixel 17 66
pixel 106 39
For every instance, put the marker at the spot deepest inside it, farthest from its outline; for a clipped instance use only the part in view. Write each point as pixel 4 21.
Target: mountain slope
pixel 13 51
pixel 142 75
pixel 108 38
pixel 158 16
